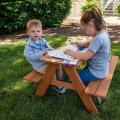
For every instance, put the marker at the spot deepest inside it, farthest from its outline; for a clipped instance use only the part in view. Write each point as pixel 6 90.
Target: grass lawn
pixel 17 99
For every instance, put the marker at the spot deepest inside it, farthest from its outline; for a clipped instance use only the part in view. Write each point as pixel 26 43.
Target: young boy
pixel 36 47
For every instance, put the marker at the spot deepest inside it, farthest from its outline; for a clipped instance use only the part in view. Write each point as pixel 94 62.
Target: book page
pixel 77 39
pixel 59 53
pixel 71 47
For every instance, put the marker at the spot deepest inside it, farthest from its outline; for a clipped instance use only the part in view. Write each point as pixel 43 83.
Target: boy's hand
pixel 44 52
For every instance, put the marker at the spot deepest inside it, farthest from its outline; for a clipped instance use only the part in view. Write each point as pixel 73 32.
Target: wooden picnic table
pixel 98 88
pixel 76 83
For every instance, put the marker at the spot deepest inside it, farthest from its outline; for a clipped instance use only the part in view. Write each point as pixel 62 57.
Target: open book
pixel 74 40
pixel 59 53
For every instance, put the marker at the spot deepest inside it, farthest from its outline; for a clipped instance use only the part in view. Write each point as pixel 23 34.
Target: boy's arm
pixel 49 47
pixel 31 55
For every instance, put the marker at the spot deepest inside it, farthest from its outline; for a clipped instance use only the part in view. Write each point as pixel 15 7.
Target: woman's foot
pixel 96 100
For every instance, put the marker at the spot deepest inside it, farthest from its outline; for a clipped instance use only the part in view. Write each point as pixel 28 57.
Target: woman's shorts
pixel 86 76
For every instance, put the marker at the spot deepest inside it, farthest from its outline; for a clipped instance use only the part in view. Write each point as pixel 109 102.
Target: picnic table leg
pixel 80 88
pixel 46 80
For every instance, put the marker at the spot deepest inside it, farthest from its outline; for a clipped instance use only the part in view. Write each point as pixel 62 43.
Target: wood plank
pixel 105 83
pixel 62 84
pixel 92 87
pixel 33 76
pixel 46 80
pixel 80 88
pixel 49 59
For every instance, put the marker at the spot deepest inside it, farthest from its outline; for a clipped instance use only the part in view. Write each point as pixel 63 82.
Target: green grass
pixel 17 99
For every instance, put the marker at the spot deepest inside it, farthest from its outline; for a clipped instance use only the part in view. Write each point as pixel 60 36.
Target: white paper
pixel 59 53
pixel 78 39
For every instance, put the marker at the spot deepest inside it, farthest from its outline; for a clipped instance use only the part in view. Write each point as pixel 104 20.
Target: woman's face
pixel 90 29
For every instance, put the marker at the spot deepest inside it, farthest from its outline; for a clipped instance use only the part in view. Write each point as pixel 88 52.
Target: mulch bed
pixel 114 32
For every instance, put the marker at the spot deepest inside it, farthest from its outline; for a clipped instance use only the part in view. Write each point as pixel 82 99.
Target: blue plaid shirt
pixel 34 51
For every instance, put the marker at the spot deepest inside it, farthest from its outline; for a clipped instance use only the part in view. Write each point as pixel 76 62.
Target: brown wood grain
pixel 80 88
pixel 33 76
pixel 62 84
pixel 46 80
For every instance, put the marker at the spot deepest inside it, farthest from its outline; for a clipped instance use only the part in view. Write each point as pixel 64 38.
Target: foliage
pixel 87 5
pixel 118 9
pixel 15 13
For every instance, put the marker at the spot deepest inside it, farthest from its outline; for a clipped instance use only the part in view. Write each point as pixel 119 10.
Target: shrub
pixel 89 4
pixel 15 13
pixel 118 9
pixel 13 16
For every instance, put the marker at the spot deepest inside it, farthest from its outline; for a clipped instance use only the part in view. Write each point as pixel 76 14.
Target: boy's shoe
pixel 96 100
pixel 59 89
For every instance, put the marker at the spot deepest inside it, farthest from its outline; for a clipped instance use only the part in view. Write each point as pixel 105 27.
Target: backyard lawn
pixel 17 99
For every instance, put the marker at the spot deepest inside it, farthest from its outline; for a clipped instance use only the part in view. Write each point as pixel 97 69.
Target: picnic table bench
pixel 100 87
pixel 95 88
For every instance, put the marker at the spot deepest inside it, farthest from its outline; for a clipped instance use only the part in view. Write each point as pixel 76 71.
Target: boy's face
pixel 35 32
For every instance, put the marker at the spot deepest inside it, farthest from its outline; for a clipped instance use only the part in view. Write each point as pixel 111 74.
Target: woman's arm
pixel 86 43
pixel 80 55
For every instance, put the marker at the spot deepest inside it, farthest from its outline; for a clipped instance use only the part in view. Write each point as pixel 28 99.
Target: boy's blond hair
pixel 33 22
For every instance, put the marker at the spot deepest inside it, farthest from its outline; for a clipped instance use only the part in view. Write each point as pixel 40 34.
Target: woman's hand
pixel 69 52
pixel 79 45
